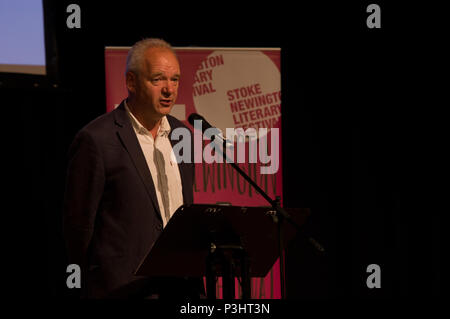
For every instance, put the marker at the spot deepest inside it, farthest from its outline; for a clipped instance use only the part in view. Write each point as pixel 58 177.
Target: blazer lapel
pixel 128 138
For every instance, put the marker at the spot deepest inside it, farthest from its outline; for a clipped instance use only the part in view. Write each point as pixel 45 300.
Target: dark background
pixel 353 135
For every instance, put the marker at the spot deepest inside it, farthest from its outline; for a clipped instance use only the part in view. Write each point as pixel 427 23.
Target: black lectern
pixel 216 240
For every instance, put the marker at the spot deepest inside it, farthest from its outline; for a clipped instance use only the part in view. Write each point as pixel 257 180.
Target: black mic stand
pixel 279 215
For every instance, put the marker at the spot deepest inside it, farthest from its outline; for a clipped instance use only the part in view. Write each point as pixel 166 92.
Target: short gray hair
pixel 135 58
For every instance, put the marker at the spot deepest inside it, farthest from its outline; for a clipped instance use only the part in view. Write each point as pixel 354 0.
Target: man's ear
pixel 131 81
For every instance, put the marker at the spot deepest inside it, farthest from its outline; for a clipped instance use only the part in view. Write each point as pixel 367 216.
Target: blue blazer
pixel 111 212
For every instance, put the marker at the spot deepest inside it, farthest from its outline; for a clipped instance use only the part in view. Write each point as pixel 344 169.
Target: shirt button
pixel 159 227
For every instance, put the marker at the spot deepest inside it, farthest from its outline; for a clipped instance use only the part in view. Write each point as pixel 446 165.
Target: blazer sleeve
pixel 84 187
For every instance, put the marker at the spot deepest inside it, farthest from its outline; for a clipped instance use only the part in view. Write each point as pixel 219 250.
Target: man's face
pixel 156 86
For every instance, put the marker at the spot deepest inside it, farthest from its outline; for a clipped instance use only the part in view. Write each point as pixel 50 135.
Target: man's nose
pixel 168 88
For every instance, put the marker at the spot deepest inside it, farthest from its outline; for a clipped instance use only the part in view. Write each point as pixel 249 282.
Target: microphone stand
pixel 280 213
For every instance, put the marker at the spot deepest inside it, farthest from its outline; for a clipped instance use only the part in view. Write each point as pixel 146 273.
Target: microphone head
pixel 204 124
pixel 197 117
pixel 193 117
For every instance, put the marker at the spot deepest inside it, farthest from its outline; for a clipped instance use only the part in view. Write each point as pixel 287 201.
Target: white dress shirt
pixel 162 164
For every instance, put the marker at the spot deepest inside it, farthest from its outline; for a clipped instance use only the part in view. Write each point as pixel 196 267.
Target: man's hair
pixel 136 55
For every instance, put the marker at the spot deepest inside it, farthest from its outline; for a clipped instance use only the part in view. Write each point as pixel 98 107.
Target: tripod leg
pixel 245 276
pixel 228 276
pixel 210 277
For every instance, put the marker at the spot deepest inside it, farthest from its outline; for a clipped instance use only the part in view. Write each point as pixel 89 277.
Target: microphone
pixel 205 125
pixel 198 117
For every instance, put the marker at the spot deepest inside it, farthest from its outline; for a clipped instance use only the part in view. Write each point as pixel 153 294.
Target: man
pixel 123 181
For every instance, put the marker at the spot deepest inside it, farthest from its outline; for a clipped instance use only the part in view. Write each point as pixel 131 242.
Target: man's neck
pixel 148 120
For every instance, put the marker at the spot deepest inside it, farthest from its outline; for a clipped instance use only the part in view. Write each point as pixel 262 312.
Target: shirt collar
pixel 163 130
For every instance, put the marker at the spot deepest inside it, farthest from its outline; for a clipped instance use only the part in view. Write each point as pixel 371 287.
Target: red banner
pixel 230 88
